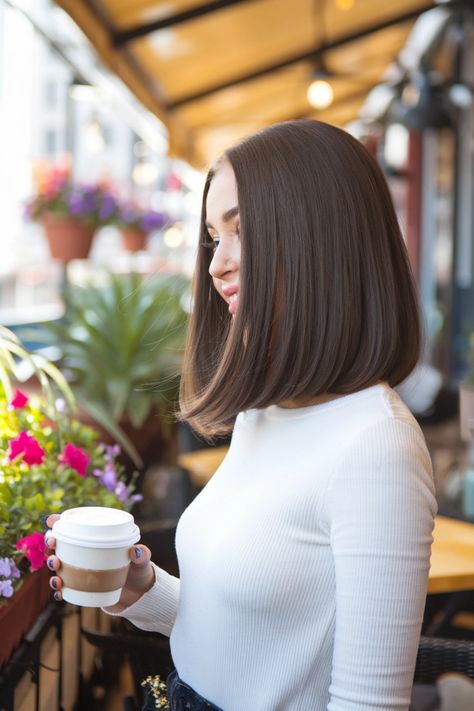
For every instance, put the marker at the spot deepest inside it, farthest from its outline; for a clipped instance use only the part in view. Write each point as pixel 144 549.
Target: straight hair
pixel 327 298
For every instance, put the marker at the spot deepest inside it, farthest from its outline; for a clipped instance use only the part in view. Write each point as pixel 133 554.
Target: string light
pixel 320 94
pixel 173 237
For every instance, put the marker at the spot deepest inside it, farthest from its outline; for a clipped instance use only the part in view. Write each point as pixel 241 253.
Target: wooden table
pixel 202 463
pixel 452 555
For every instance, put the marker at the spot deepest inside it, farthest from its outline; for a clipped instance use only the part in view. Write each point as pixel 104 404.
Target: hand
pixel 141 575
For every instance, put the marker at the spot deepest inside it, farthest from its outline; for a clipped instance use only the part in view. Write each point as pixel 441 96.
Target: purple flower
pixel 109 478
pixel 121 491
pixel 6 588
pixel 127 215
pixel 108 207
pixel 5 567
pixel 135 498
pixel 75 204
pixel 152 221
pixel 8 569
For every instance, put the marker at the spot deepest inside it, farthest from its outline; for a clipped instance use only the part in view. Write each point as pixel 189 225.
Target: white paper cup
pixel 92 543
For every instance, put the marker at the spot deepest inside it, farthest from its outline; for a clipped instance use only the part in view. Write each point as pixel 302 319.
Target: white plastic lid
pixel 96 527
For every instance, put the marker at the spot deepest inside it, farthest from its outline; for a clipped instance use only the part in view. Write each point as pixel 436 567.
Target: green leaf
pixel 96 411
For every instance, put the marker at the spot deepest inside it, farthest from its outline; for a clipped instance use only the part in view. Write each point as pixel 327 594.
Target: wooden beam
pixel 312 55
pixel 121 37
pixel 94 28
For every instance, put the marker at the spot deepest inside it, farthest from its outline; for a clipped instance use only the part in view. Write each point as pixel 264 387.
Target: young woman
pixel 304 561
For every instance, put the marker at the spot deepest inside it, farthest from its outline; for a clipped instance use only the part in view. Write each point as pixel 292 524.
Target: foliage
pixel 93 204
pixel 96 204
pixel 49 462
pixel 122 346
pixel 131 216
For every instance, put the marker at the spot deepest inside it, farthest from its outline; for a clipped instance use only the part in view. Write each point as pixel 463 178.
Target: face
pixel 223 226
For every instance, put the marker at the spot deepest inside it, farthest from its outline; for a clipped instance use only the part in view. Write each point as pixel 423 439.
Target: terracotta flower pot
pixel 22 609
pixel 68 238
pixel 133 240
pixel 466 410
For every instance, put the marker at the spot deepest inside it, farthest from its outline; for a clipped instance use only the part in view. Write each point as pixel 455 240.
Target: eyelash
pixel 214 243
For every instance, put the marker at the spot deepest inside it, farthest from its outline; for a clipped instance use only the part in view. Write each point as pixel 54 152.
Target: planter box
pixel 22 610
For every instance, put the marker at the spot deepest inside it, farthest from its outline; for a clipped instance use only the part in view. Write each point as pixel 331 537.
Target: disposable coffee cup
pixel 92 543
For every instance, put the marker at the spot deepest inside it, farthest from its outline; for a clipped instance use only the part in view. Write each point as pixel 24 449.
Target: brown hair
pixel 327 300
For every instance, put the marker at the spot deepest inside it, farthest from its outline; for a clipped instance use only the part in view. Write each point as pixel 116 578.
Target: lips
pixel 230 293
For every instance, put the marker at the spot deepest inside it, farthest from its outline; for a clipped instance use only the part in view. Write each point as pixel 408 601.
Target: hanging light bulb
pixel 144 173
pixel 320 94
pixel 95 141
pixel 344 5
pixel 173 237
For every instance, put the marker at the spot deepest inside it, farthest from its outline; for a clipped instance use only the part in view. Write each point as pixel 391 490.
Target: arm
pixel 381 508
pixel 156 609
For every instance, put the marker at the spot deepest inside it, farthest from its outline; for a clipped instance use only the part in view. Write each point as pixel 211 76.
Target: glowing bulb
pixel 94 138
pixel 320 94
pixel 173 237
pixel 344 5
pixel 144 173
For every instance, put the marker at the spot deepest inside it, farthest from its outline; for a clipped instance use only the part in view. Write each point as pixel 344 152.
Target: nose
pixel 223 262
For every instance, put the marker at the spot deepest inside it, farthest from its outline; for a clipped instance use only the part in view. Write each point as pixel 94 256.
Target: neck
pixel 306 401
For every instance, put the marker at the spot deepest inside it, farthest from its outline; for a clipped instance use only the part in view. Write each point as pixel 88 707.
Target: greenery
pixel 122 347
pixel 50 462
pixel 93 204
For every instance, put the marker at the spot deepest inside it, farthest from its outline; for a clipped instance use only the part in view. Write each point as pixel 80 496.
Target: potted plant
pixel 69 213
pixel 466 395
pixel 50 462
pixel 121 353
pixel 135 223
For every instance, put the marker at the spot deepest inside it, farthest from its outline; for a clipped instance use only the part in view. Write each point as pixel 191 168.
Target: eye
pixel 211 244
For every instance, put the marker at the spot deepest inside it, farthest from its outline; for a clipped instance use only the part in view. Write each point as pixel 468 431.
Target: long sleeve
pixel 156 610
pixel 380 508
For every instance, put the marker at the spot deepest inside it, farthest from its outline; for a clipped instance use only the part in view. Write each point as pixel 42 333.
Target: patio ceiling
pixel 214 72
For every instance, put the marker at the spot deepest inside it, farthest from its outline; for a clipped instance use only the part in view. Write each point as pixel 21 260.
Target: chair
pixel 437 656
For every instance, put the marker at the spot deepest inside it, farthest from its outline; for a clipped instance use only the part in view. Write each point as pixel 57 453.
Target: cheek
pixel 216 283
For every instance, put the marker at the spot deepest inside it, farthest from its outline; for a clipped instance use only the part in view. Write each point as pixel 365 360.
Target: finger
pixel 58 596
pixel 53 562
pixel 140 555
pixel 50 541
pixel 55 582
pixel 50 519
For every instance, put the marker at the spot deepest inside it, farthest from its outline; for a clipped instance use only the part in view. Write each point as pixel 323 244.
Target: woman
pixel 304 561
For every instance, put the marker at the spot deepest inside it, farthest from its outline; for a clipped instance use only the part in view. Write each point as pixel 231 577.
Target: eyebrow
pixel 226 216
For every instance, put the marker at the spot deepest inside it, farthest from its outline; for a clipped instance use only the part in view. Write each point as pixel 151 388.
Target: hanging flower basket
pixel 67 237
pixel 133 239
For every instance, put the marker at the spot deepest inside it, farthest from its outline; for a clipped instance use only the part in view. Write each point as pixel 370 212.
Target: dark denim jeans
pixel 181 697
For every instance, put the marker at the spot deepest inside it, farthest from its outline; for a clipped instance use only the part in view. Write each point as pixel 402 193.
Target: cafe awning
pixel 214 72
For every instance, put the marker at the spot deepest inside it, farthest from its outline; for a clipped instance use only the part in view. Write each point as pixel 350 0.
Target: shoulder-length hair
pixel 327 300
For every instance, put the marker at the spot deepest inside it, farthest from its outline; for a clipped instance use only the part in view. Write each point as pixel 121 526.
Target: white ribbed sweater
pixel 304 561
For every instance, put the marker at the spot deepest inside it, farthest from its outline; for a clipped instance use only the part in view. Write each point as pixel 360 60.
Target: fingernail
pixel 54 583
pixel 138 552
pixel 57 597
pixel 44 525
pixel 50 564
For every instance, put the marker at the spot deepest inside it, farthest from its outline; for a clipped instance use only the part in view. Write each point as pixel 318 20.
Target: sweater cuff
pixel 155 610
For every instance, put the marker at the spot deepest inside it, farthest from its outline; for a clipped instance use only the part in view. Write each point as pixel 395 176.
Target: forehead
pixel 222 195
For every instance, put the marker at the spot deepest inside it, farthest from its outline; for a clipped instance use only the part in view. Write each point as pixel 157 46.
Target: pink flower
pixel 34 549
pixel 27 445
pixel 20 400
pixel 76 458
